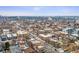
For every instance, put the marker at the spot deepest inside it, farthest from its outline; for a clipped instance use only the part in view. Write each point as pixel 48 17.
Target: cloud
pixel 36 14
pixel 15 14
pixel 36 8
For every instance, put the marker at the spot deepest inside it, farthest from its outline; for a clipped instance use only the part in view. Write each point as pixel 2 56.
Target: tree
pixel 26 36
pixel 7 46
pixel 70 31
pixel 78 33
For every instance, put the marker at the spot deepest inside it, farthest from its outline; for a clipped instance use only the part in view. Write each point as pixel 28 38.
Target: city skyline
pixel 39 10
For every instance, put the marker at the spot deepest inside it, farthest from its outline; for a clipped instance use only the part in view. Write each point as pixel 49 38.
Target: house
pixel 4 37
pixel 5 31
pixel 29 50
pixel 9 36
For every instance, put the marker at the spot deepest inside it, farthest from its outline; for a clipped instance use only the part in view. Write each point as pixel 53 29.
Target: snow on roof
pixel 9 35
pixel 21 32
pixel 75 35
pixel 48 29
pixel 35 41
pixel 14 34
pixel 5 29
pixel 61 32
pixel 55 39
pixel 40 46
pixel 32 39
pixel 77 29
pixel 48 35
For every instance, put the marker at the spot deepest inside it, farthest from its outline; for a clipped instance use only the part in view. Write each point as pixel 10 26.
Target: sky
pixel 39 10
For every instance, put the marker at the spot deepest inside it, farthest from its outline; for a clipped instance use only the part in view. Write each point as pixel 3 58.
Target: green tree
pixel 78 33
pixel 70 32
pixel 7 46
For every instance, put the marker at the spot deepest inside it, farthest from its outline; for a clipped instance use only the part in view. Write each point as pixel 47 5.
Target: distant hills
pixel 39 17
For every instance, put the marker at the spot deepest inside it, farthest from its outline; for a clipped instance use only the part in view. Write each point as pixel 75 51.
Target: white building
pixel 6 31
